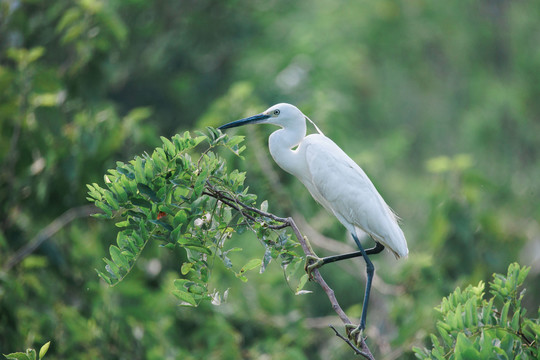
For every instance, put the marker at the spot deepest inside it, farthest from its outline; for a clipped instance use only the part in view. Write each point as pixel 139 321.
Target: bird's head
pixel 283 115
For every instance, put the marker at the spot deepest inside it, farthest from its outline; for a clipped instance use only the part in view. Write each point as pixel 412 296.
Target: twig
pixel 47 232
pixel 240 206
pixel 317 275
pixel 356 350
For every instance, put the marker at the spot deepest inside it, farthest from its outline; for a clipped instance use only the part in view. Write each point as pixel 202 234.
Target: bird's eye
pixel 276 112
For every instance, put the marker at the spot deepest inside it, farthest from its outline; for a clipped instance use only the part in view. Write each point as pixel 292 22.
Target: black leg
pixel 314 263
pixel 374 250
pixel 370 269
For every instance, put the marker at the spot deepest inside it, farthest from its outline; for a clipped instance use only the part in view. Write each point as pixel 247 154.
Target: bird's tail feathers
pixel 395 242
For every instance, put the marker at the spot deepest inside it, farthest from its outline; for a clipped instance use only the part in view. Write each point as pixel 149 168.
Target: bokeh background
pixel 437 101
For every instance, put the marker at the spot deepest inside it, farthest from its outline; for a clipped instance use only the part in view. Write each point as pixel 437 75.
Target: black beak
pixel 250 120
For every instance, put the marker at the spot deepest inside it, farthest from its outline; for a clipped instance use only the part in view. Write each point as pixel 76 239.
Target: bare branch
pixel 51 229
pixel 367 355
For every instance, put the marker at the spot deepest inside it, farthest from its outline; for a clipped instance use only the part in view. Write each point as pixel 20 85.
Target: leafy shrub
pixel 473 327
pixel 183 203
pixel 30 354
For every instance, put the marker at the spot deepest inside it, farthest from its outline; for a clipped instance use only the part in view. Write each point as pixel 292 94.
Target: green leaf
pixel 162 224
pixel 264 206
pixel 524 271
pixel 180 218
pixel 470 312
pixel 250 265
pixel 242 277
pixel 146 190
pixel 504 313
pixel 44 350
pixel 486 345
pixel 137 201
pixel 198 140
pixel 122 224
pixel 235 140
pixel 445 336
pixel 168 146
pixel 186 267
pixel 200 182
pixel 17 356
pixel 514 324
pixel 105 277
pixel 106 208
pixel 197 289
pixel 118 257
pixel 267 258
pixel 149 169
pixel 299 289
pixel 486 312
pixel 139 171
pixel 464 349
pixel 198 247
pixel 94 191
pixel 459 317
pixel 31 353
pixel 179 143
pixel 70 16
pixel 507 344
pixel 185 297
pixel 437 348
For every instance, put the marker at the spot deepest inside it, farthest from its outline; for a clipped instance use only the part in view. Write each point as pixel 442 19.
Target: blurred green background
pixel 437 101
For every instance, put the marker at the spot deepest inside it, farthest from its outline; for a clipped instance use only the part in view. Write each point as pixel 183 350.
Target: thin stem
pixel 356 350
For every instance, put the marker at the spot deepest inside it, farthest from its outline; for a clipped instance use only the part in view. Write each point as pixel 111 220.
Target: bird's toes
pixel 354 332
pixel 312 262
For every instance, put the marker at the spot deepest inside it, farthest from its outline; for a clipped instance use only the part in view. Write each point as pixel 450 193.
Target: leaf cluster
pixel 30 354
pixel 193 204
pixel 473 327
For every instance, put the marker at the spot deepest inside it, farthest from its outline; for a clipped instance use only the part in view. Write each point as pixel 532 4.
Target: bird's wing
pixel 342 187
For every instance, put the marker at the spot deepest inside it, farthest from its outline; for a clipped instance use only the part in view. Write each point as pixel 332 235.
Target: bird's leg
pixel 314 262
pixel 370 269
pixel 374 250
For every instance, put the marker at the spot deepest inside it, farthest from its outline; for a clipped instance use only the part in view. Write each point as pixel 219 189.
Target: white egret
pixel 336 182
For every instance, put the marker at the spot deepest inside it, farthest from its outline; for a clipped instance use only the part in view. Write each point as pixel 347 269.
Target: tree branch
pixel 51 229
pixel 356 350
pixel 361 347
pixel 364 349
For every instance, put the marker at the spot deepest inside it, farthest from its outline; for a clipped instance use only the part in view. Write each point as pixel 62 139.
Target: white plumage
pixel 333 179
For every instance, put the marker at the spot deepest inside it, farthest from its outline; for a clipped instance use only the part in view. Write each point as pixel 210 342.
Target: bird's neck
pixel 281 144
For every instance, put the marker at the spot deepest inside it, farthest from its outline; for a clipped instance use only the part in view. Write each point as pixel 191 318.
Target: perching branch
pixel 251 213
pixel 367 355
pixel 364 350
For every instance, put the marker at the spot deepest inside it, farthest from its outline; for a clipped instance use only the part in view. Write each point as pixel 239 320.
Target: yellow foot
pixel 354 332
pixel 312 263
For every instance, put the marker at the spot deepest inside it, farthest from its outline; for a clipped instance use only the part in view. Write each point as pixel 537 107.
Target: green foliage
pixel 30 354
pixel 475 327
pixel 192 205
pixel 397 84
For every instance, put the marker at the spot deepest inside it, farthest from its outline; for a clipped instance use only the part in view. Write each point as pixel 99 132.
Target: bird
pixel 337 183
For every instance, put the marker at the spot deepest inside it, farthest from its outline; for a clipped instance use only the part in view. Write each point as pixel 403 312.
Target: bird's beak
pixel 250 120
